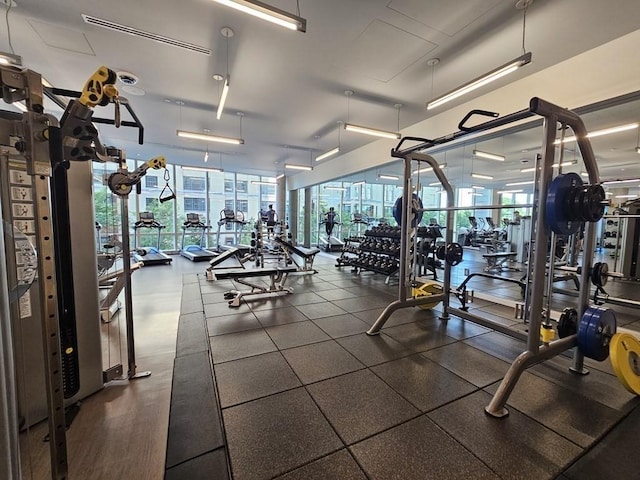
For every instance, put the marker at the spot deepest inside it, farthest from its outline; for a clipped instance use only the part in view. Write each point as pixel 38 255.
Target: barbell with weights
pixel 570 203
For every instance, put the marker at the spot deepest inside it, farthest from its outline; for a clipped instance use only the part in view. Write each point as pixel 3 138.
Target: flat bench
pixel 498 261
pixel 305 254
pixel 277 277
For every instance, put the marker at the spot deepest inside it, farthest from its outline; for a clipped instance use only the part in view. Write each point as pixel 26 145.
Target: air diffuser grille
pixel 100 22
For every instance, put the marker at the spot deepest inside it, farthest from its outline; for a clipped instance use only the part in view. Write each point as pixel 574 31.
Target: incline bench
pixel 305 256
pixel 277 277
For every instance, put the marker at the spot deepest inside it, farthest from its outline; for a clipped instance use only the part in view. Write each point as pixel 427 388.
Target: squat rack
pixel 535 353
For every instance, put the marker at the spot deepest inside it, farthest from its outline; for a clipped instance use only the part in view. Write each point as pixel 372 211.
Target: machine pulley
pixel 451 253
pixel 570 203
pixel 416 206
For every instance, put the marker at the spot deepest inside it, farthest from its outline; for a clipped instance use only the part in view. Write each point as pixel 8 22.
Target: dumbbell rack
pixel 350 251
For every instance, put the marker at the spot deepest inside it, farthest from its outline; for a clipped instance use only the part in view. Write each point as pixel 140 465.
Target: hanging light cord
pixel 6 19
pixel 524 25
pixel 298 7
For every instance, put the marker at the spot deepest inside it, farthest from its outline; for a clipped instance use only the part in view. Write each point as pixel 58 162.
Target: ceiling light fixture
pixel 503 192
pixel 477 187
pixel 427 169
pixel 515 184
pixel 435 184
pixel 200 169
pixel 268 13
pixel 337 189
pixel 10 59
pixel 388 177
pixel 209 138
pixel 280 176
pixel 350 127
pixel 484 177
pixel 355 184
pixel 206 155
pixel 555 165
pixel 227 33
pixel 297 167
pixel 485 79
pixel 371 131
pixel 262 182
pixel 489 156
pixel 328 154
pixel 600 133
pixel 625 196
pixel 630 180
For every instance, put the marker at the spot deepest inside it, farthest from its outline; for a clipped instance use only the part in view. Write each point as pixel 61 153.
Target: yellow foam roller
pixel 427 289
pixel 624 352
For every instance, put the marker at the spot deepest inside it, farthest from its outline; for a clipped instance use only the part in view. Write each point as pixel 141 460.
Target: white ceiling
pixel 289 85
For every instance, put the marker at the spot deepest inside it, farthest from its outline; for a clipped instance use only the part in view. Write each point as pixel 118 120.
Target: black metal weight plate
pixel 416 204
pixel 558 203
pixel 593 203
pixel 599 274
pixel 596 328
pixel 453 255
pixel 568 322
pixel 440 252
pixel 625 360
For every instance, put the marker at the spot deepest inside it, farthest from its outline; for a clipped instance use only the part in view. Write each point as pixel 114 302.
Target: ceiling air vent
pixel 100 22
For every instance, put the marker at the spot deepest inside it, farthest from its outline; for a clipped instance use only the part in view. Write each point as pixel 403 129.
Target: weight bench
pixel 305 256
pixel 277 277
pixel 497 262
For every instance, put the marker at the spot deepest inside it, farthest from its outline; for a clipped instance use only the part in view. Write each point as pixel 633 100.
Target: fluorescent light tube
pixel 489 77
pixel 355 184
pixel 515 184
pixel 427 169
pixel 297 167
pixel 631 180
pixel 477 187
pixel 280 176
pixel 435 184
pixel 331 152
pixel 200 169
pixel 484 177
pixel 337 189
pixel 371 131
pixel 555 165
pixel 261 182
pixel 268 13
pixel 206 156
pixel 600 133
pixel 223 97
pixel 389 177
pixel 489 156
pixel 209 138
pixel 625 196
pixel 509 191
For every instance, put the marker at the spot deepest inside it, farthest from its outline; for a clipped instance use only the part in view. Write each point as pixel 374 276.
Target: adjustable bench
pixel 305 256
pixel 227 259
pixel 277 277
pixel 498 261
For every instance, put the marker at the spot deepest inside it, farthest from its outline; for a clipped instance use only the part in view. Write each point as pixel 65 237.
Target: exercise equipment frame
pixel 535 353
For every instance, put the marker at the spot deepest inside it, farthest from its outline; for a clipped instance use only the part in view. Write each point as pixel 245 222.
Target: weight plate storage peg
pixel 557 206
pixel 625 360
pixel 416 204
pixel 596 328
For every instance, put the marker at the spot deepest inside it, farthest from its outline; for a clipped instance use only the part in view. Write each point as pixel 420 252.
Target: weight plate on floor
pixel 625 360
pixel 594 332
pixel 427 289
pixel 557 204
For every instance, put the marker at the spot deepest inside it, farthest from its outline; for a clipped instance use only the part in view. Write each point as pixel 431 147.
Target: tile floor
pixel 305 394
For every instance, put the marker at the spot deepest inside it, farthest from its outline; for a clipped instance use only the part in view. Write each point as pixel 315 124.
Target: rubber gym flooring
pixel 292 388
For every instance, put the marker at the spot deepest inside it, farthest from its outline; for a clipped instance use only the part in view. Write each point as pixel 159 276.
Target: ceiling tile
pixel 62 38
